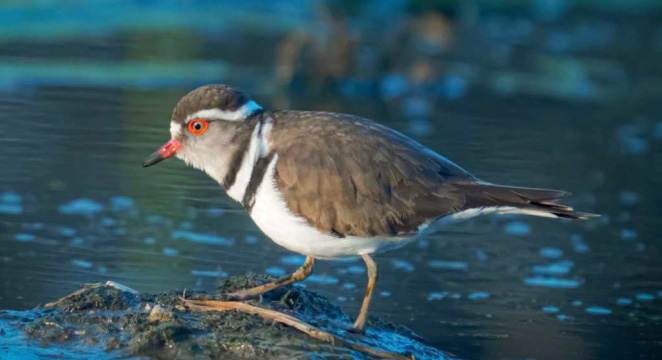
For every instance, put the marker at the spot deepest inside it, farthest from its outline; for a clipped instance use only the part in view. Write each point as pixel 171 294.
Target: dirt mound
pixel 108 320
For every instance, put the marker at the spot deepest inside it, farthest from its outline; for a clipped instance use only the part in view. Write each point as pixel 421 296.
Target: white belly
pixel 293 232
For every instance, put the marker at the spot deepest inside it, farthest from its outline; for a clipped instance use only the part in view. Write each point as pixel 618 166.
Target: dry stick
pixel 210 305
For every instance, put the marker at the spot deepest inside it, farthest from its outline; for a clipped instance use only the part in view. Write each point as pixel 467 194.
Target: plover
pixel 329 185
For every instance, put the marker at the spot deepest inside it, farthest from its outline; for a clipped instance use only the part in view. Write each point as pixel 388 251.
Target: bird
pixel 331 185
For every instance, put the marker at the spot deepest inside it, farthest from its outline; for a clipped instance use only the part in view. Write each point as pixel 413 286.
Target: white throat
pixel 257 149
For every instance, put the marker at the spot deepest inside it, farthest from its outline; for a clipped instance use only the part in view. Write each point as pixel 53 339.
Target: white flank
pixel 529 212
pixel 465 215
pixel 240 114
pixel 471 213
pixel 433 226
pixel 272 216
pixel 256 149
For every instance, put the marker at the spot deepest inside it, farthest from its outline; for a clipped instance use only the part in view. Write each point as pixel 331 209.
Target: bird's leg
pixel 301 274
pixel 359 324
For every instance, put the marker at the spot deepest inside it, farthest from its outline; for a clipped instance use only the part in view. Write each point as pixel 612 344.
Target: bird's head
pixel 208 125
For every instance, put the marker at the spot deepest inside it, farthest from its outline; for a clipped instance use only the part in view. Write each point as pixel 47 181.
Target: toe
pixel 356 330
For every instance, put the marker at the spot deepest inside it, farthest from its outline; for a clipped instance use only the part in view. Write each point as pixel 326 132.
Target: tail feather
pixel 518 200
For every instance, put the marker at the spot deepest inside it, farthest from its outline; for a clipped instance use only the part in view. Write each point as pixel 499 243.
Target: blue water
pixel 545 95
pixel 275 271
pixel 598 310
pixel 551 252
pixel 478 295
pixel 81 207
pixel 557 268
pixel 201 238
pixel 550 309
pixel 449 265
pixel 209 273
pixel 517 228
pixel 552 282
pixel 624 301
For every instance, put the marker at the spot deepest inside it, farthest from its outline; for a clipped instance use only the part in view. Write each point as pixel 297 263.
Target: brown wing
pixel 350 176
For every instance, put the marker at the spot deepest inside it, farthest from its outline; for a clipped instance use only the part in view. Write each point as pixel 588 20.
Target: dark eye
pixel 198 127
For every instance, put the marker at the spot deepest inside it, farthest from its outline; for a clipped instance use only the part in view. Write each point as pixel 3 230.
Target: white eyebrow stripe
pixel 215 114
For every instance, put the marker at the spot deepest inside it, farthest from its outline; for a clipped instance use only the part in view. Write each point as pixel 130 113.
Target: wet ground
pixel 110 320
pixel 545 97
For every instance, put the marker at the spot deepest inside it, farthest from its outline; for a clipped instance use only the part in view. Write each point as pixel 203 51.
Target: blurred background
pixel 544 93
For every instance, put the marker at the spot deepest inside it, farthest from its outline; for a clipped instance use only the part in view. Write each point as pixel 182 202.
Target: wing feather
pixel 352 176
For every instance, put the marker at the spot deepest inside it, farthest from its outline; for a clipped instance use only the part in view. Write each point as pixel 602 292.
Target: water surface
pixel 513 99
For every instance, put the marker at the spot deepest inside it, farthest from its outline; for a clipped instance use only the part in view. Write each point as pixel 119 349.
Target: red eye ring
pixel 198 127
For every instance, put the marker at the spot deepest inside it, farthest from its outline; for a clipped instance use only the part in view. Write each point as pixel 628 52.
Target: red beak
pixel 169 149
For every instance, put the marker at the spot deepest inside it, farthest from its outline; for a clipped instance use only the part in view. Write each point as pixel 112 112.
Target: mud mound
pixel 111 321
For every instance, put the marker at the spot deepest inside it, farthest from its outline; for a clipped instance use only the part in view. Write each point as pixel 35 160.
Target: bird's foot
pixel 356 330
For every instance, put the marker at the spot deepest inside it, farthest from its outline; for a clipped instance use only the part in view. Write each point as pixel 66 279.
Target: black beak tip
pixel 166 151
pixel 152 159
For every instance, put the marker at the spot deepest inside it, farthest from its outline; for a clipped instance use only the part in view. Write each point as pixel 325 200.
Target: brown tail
pixel 518 200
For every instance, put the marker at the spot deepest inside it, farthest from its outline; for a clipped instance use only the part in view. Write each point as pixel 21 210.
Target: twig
pixel 210 305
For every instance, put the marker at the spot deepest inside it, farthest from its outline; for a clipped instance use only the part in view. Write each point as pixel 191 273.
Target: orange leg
pixel 301 274
pixel 359 324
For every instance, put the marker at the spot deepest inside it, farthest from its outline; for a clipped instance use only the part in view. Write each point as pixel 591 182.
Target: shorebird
pixel 329 185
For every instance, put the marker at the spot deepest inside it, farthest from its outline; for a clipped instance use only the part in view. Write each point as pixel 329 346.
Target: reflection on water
pixel 518 99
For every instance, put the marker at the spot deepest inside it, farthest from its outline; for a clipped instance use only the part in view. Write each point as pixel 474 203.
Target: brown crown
pixel 220 97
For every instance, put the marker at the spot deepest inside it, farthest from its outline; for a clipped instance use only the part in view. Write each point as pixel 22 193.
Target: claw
pixel 356 330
